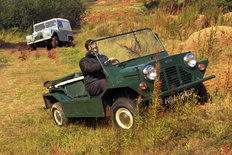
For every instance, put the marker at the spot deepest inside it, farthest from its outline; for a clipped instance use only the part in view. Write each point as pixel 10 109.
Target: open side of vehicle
pixel 127 80
pixel 69 99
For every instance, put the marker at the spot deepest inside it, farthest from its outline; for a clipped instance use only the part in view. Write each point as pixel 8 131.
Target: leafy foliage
pixel 23 13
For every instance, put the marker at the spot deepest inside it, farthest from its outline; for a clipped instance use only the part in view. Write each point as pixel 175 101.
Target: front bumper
pixel 186 86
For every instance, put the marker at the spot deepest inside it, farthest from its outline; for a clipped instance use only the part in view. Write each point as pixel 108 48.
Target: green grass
pixel 13 35
pixel 29 129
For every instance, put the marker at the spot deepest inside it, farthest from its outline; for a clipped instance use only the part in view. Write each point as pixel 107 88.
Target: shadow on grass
pixel 94 123
pixel 152 5
pixel 10 46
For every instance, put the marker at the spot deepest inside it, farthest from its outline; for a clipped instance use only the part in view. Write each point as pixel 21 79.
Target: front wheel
pixel 33 47
pixel 49 45
pixel 123 113
pixel 58 115
pixel 202 92
pixel 55 41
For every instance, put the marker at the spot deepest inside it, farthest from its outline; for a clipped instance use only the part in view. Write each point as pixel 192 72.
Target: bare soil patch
pixel 110 15
pixel 17 46
pixel 104 3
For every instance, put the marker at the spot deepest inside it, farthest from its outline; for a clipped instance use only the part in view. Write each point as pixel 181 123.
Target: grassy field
pixel 185 128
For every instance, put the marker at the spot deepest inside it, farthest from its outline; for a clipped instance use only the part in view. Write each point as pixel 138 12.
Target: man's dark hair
pixel 87 44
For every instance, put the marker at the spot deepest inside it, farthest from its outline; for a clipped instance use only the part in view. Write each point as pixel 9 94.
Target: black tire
pixel 33 47
pixel 202 92
pixel 49 45
pixel 70 42
pixel 123 113
pixel 55 41
pixel 58 115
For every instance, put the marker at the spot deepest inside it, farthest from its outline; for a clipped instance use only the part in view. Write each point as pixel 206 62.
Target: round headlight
pixel 190 60
pixel 149 72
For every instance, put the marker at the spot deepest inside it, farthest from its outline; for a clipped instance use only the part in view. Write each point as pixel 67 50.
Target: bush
pixel 24 13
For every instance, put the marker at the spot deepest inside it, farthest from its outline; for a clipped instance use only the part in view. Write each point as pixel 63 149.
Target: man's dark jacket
pixel 91 68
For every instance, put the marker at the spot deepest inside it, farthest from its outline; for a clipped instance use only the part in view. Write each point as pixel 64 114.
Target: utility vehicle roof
pixel 51 20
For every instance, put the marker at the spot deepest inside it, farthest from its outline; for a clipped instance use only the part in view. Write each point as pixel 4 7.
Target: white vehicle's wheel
pixel 55 41
pixel 58 115
pixel 123 112
pixel 70 42
pixel 49 45
pixel 33 47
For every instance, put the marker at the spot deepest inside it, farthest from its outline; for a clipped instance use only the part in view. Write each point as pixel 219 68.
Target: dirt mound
pixel 109 15
pixel 228 17
pixel 122 9
pixel 220 35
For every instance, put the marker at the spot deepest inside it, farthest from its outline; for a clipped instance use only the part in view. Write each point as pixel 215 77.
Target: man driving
pixel 94 77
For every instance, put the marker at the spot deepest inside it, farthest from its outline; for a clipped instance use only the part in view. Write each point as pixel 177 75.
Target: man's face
pixel 94 47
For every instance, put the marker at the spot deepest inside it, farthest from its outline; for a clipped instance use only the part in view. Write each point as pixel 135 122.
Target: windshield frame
pixel 109 37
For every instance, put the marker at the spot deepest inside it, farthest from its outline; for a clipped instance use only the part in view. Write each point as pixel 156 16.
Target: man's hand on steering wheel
pixel 111 61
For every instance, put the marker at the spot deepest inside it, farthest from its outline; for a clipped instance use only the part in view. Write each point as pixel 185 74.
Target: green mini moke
pixel 142 59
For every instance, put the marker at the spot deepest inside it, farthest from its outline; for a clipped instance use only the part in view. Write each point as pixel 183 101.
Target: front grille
pixel 173 77
pixel 185 76
pixel 164 85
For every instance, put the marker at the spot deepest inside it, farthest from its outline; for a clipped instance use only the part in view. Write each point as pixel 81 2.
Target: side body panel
pixel 74 99
pixel 83 107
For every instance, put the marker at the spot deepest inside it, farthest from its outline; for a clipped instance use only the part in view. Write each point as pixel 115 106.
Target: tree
pixel 24 13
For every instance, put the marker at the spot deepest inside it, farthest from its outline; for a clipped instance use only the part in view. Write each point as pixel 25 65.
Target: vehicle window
pixel 50 23
pixel 66 25
pixel 60 25
pixel 39 27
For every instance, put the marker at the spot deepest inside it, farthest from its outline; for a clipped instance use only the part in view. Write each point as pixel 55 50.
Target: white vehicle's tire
pixel 33 47
pixel 55 41
pixel 70 42
pixel 49 45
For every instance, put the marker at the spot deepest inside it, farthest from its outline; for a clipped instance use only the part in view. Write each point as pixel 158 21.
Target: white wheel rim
pixel 124 118
pixel 58 117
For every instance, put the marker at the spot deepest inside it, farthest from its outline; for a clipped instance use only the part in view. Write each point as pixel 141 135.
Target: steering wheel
pixel 114 61
pixel 111 61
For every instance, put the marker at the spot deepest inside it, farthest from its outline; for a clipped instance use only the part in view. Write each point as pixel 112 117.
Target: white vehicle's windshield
pixel 39 27
pixel 130 45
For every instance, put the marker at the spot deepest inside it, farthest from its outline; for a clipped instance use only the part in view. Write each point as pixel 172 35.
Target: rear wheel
pixel 58 115
pixel 55 41
pixel 123 113
pixel 70 42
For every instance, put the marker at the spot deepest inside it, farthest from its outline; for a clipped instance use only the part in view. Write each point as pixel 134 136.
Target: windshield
pixel 39 27
pixel 129 45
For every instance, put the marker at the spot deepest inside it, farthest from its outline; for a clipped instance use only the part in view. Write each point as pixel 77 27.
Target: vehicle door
pixel 64 30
